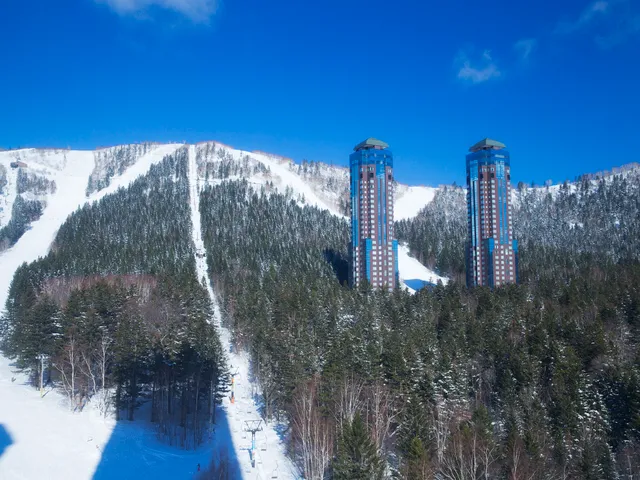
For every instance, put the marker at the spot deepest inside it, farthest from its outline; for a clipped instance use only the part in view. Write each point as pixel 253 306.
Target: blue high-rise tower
pixel 374 251
pixel 492 253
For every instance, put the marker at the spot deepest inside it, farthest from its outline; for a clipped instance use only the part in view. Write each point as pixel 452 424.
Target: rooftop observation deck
pixel 487 144
pixel 371 143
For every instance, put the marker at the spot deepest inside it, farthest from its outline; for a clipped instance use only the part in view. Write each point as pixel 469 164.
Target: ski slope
pixel 270 455
pixel 282 177
pixel 65 443
pixel 71 181
pixel 413 272
pixel 410 200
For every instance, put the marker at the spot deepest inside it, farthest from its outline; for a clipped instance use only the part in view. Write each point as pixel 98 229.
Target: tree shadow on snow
pixel 418 284
pixel 5 439
pixel 134 451
pixel 339 264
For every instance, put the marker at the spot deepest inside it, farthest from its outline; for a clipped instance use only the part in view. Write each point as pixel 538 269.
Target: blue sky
pixel 556 81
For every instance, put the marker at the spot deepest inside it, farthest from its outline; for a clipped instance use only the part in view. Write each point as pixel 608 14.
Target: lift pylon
pixel 253 426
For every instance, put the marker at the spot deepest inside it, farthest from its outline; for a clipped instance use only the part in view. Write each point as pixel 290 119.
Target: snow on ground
pixel 71 183
pixel 41 438
pixel 141 167
pixel 410 200
pixel 45 163
pixel 270 457
pixel 45 440
pixel 292 180
pixel 64 443
pixel 413 273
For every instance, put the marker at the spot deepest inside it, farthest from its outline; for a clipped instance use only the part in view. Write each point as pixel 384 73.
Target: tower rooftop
pixel 487 144
pixel 371 143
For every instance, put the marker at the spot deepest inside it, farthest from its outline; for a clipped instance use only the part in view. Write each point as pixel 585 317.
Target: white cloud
pixel 615 20
pixel 589 14
pixel 484 69
pixel 525 46
pixel 199 11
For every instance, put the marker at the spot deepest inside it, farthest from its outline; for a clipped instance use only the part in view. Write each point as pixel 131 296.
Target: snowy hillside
pixel 70 170
pixel 30 422
pixel 29 173
pixel 59 182
pixel 271 458
pixel 410 200
pixel 42 172
pixel 310 183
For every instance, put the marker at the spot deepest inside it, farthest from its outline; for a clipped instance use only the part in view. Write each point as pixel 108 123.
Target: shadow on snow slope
pixel 418 284
pixel 134 452
pixel 5 439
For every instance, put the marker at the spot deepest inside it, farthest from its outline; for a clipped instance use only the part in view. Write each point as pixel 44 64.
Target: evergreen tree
pixel 357 458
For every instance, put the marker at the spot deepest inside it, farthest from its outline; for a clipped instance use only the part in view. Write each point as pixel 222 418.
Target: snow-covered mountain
pixel 312 183
pixel 54 184
pixel 59 181
pixel 67 173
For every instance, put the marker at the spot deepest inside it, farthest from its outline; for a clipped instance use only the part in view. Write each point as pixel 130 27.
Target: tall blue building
pixel 492 253
pixel 374 251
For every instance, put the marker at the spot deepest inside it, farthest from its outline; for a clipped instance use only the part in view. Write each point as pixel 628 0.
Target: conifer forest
pixel 539 380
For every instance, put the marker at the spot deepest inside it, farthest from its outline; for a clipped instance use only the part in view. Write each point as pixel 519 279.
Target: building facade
pixel 373 251
pixel 492 253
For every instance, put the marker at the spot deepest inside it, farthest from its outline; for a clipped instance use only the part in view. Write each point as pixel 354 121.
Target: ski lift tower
pixel 42 357
pixel 253 426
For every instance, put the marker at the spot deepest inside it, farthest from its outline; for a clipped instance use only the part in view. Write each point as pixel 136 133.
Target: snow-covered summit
pixel 311 183
pixel 49 184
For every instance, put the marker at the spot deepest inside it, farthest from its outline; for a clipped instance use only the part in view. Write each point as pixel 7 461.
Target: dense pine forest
pixel 535 381
pixel 539 380
pixel 118 313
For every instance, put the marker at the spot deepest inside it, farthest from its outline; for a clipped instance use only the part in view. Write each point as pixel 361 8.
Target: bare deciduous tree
pixel 67 365
pixel 349 401
pixel 381 413
pixel 311 432
pixel 468 455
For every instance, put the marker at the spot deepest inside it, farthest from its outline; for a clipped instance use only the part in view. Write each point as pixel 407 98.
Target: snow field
pixel 71 182
pixel 46 440
pixel 284 177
